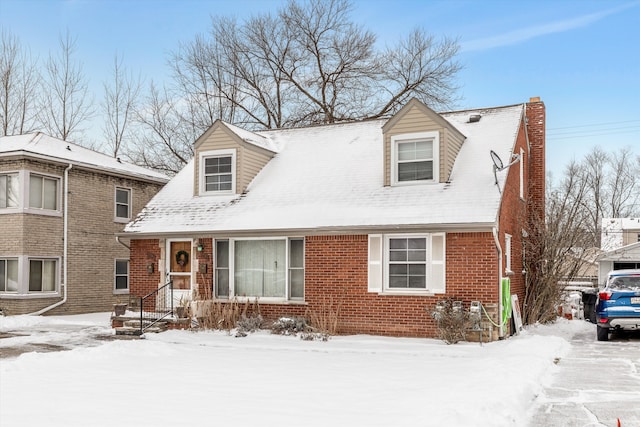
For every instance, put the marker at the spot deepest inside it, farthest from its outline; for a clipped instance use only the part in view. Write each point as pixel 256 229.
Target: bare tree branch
pixel 118 105
pixel 66 104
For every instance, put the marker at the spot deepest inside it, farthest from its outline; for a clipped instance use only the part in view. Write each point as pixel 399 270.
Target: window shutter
pixel 438 275
pixel 375 263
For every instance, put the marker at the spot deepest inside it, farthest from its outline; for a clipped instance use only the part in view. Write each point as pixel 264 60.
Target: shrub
pixel 451 320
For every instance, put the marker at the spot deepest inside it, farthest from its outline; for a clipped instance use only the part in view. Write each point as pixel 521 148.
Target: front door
pixel 179 269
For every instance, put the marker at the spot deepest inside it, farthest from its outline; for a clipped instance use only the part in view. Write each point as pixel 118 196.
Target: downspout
pixel 65 247
pixel 497 241
pixel 122 243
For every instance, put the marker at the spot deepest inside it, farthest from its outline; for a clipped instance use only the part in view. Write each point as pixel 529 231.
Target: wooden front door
pixel 179 271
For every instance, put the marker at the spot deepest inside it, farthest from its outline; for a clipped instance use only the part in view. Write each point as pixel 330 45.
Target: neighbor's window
pixel 43 192
pixel 42 275
pixel 121 284
pixel 261 268
pixel 217 172
pixel 407 263
pixel 123 203
pixel 9 190
pixel 415 158
pixel 8 275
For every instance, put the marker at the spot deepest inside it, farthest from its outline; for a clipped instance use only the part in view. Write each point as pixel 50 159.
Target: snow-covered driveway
pixel 596 384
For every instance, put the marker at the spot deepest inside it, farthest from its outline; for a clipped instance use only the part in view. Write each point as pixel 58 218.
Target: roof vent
pixel 474 118
pixel 118 159
pixel 68 148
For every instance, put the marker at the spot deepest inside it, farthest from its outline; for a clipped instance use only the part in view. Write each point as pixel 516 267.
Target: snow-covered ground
pixel 212 378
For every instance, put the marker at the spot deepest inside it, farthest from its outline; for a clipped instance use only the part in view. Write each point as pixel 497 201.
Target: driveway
pixel 597 383
pixel 43 336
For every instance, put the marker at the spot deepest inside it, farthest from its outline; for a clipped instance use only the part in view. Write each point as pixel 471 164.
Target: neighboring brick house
pixel 382 218
pixel 61 206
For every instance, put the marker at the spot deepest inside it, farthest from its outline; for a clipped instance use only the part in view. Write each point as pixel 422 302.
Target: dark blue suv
pixel 618 305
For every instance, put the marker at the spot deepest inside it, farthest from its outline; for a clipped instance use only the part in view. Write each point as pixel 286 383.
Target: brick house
pixel 61 206
pixel 383 217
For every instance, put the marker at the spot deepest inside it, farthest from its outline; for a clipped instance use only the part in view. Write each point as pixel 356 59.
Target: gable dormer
pixel 227 158
pixel 420 146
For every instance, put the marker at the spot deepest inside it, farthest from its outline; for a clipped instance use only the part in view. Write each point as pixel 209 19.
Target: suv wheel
pixel 602 334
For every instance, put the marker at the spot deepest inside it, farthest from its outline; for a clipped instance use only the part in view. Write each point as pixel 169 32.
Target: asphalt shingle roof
pixel 331 178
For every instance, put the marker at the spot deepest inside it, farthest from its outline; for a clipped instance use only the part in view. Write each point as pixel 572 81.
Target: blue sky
pixel 581 57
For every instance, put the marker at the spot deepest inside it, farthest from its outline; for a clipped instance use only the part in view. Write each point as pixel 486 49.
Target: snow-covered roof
pixel 612 236
pixel 331 178
pixel 44 146
pixel 254 138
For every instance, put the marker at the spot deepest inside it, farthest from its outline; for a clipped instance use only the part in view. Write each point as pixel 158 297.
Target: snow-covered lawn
pixel 211 378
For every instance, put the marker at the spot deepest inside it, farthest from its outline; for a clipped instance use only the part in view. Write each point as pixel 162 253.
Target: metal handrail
pixel 154 307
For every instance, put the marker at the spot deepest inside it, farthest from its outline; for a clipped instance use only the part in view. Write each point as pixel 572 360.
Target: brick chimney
pixel 536 132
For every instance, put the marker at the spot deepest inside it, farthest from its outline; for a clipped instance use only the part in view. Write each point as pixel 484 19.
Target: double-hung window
pixel 415 158
pixel 123 204
pixel 8 275
pixel 412 263
pixel 9 190
pixel 43 192
pixel 42 275
pixel 121 284
pixel 260 268
pixel 217 172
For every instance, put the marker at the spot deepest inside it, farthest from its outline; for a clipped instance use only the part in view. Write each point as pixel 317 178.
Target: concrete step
pixel 149 326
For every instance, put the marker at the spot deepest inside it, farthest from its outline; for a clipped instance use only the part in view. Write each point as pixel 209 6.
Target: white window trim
pixel 115 276
pixel 24 177
pixel 201 176
pixel 11 258
pixel 521 162
pixel 507 254
pixel 378 277
pixel 14 209
pixel 23 278
pixel 26 199
pixel 434 136
pixel 287 293
pixel 129 190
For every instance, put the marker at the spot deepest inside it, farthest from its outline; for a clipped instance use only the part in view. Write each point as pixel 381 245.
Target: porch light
pixel 150 268
pixel 200 246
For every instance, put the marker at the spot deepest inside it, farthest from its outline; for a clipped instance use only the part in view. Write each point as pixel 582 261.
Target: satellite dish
pixel 499 166
pixel 497 162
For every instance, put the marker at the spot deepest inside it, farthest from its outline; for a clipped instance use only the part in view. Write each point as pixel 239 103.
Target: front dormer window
pixel 217 172
pixel 415 158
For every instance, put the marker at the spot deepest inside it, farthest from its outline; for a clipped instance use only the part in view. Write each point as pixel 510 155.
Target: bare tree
pixel 612 180
pixel 66 104
pixel 118 106
pixel 556 246
pixel 559 246
pixel 309 63
pixel 166 142
pixel 18 85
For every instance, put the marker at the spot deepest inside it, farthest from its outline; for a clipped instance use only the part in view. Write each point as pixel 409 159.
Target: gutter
pixel 497 241
pixel 66 246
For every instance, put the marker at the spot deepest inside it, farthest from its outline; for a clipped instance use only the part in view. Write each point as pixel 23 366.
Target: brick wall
pixel 336 273
pixel 536 131
pixel 143 254
pixel 92 247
